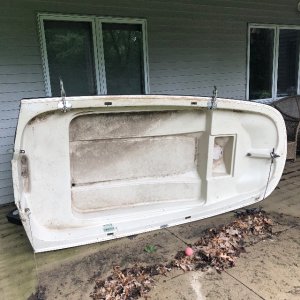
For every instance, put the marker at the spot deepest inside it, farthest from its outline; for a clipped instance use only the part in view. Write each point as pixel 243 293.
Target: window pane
pixel 71 57
pixel 288 62
pixel 261 63
pixel 123 55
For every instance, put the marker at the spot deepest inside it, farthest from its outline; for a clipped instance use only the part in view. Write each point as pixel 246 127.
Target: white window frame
pixel 276 29
pixel 96 23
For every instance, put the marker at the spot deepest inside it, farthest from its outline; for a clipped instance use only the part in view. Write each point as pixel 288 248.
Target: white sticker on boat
pixel 109 228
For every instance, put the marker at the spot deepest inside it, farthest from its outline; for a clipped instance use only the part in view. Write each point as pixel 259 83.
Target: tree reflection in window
pixel 70 56
pixel 123 55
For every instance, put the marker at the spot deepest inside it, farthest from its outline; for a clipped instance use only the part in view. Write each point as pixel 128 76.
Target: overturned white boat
pixel 115 166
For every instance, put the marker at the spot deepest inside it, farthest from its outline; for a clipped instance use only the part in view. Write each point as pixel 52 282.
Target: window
pixel 94 55
pixel 123 58
pixel 288 62
pixel 273 61
pixel 261 63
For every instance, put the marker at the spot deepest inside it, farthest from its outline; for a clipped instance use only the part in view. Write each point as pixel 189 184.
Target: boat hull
pixel 121 165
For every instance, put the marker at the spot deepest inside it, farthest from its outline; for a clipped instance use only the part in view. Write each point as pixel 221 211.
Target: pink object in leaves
pixel 189 251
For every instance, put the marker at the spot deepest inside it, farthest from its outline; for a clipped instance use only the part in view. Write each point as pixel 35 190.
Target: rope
pixel 268 181
pixel 273 156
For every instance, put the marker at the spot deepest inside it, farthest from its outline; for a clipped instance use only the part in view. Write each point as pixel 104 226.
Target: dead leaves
pixel 218 248
pixel 130 283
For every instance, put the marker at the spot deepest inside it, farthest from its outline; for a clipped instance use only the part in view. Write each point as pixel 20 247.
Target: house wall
pixel 193 45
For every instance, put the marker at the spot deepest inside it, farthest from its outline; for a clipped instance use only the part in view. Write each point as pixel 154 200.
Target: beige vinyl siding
pixel 193 45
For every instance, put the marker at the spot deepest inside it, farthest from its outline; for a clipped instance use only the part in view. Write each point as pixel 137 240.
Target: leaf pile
pixel 219 248
pixel 129 283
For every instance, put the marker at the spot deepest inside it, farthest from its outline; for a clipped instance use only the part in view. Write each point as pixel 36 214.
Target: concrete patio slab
pixel 17 276
pixel 201 285
pixel 73 279
pixel 268 270
pixel 272 268
pixel 69 273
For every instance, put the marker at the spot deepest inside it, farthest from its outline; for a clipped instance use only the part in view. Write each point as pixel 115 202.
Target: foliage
pixel 150 249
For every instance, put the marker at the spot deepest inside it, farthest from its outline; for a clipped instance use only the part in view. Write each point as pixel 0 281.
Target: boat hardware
pixel 24 166
pixel 212 104
pixel 273 155
pixel 263 154
pixel 63 105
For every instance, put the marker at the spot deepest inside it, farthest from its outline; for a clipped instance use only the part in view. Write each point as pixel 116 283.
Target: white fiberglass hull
pixel 115 166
